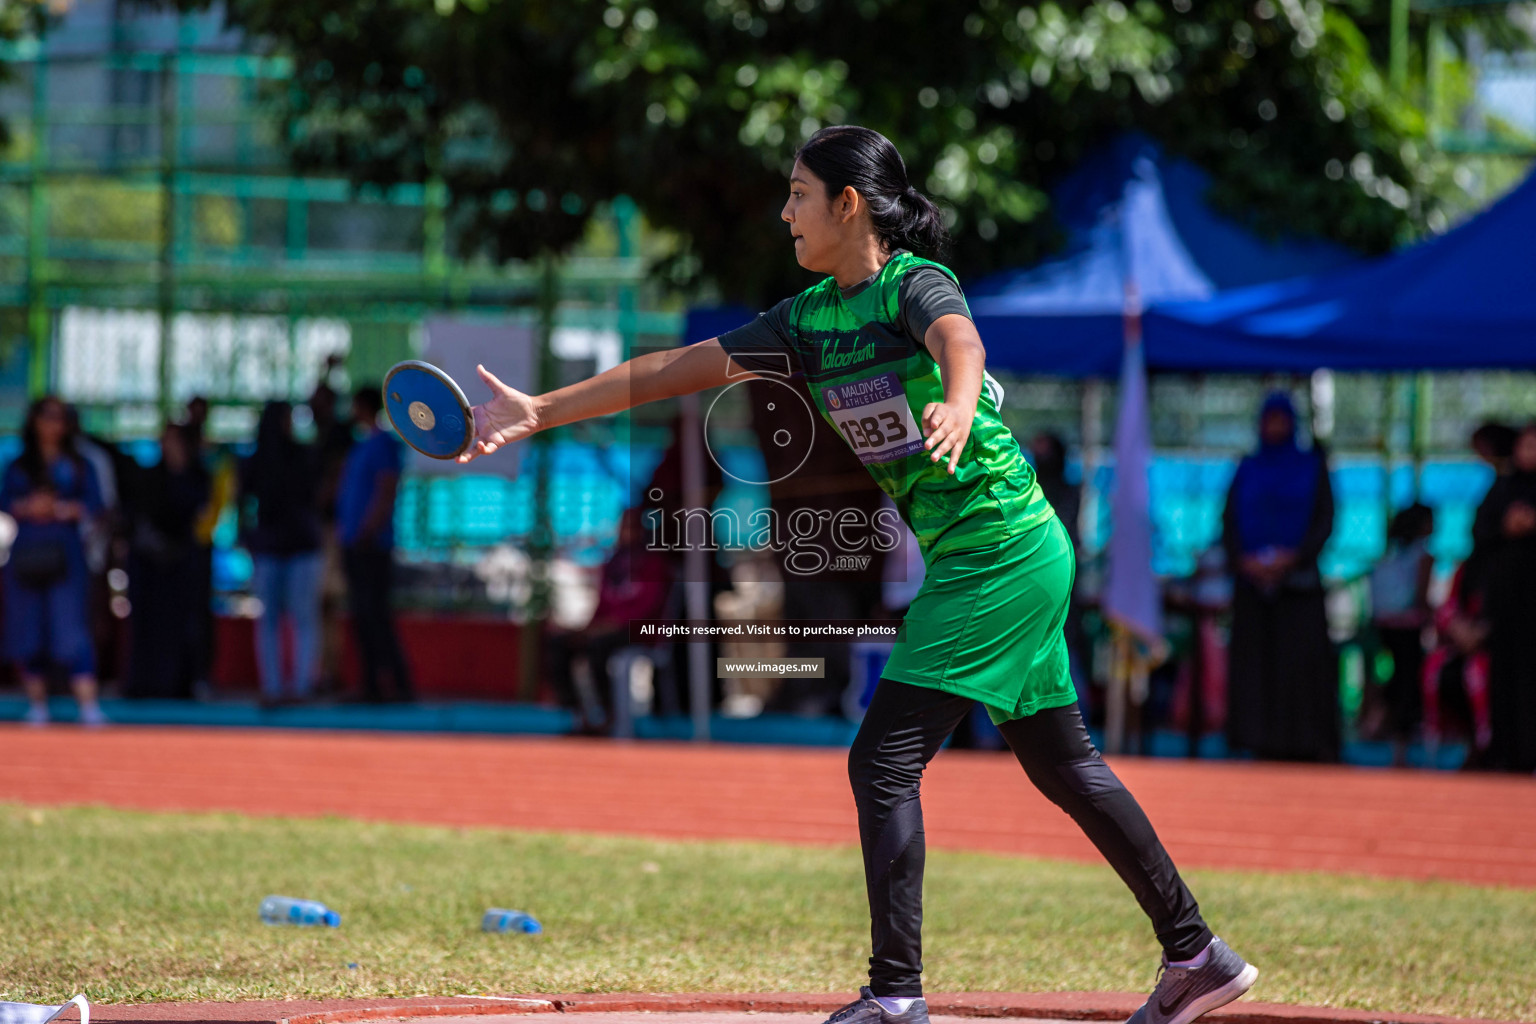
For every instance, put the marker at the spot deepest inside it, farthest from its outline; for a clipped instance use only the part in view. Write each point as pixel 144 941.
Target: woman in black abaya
pixel 1283 671
pixel 1506 547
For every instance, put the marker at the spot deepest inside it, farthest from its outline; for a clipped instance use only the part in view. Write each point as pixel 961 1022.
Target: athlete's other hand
pixel 509 416
pixel 946 426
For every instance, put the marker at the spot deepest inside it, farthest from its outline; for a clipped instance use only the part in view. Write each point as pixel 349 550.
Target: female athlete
pixel 891 358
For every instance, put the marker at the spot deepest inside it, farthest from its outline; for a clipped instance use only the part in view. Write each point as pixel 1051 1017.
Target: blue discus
pixel 428 410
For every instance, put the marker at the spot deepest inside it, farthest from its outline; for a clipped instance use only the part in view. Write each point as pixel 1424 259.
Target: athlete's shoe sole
pixel 1217 997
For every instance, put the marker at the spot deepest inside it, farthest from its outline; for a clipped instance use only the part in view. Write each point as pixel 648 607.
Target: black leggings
pixel 904 727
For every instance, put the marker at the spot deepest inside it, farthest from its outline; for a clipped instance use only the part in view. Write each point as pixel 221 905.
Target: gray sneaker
pixel 864 1010
pixel 1184 993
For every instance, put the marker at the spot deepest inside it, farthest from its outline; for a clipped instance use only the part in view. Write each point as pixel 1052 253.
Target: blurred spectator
pixel 1200 692
pixel 99 532
pixel 223 484
pixel 1505 541
pixel 635 584
pixel 197 417
pixel 365 528
pixel 1455 681
pixel 51 492
pixel 333 440
pixel 811 481
pixel 1400 611
pixel 756 593
pixel 163 566
pixel 665 495
pixel 1283 671
pixel 279 502
pixel 1048 452
pixel 1494 443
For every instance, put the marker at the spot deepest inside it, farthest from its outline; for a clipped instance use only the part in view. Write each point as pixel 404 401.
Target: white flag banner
pixel 41 1013
pixel 1131 596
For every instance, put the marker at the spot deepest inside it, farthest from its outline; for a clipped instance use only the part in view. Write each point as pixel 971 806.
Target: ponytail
pixel 922 229
pixel 845 156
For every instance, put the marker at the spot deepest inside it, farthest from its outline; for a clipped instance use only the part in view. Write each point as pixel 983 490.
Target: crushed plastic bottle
pixel 287 910
pixel 498 920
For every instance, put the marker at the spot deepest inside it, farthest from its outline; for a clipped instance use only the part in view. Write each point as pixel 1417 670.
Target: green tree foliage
pixel 18 18
pixel 533 112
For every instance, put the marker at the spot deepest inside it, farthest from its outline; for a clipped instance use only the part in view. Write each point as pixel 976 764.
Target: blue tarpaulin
pixel 1464 300
pixel 705 322
pixel 1132 214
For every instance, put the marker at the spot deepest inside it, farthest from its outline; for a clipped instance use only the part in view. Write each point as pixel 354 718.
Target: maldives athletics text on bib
pixel 871 379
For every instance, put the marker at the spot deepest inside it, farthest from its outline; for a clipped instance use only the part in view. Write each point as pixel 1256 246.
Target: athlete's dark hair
pixel 843 155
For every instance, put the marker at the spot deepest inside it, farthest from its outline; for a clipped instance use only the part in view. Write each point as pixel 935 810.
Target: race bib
pixel 874 418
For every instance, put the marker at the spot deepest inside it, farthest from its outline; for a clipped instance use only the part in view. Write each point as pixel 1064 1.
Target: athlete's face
pixel 819 223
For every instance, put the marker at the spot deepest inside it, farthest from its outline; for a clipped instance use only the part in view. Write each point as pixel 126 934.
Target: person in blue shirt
pixel 365 525
pixel 51 492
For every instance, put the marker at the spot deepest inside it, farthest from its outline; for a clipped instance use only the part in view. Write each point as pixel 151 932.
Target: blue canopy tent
pixel 1465 300
pixel 1136 220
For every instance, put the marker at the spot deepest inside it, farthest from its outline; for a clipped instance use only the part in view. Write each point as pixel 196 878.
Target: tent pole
pixel 170 157
pixel 1434 75
pixel 1120 672
pixel 1398 51
pixel 1423 398
pixel 39 323
pixel 541 539
pixel 697 566
pixel 1092 430
pixel 1321 396
pixel 1388 408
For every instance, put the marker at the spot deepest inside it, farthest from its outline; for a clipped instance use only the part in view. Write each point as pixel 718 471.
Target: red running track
pixel 1469 828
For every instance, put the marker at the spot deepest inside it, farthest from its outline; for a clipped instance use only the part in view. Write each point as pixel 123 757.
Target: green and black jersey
pixel 870 374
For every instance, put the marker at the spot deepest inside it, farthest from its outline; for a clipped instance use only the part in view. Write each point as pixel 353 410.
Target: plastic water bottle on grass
pixel 497 920
pixel 287 910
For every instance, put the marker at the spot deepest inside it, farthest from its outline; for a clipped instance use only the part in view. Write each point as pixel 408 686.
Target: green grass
pixel 132 906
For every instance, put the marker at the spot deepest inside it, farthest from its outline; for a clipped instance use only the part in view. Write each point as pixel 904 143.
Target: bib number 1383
pixel 874 418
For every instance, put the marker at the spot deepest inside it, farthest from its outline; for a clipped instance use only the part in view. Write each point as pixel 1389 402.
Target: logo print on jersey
pixel 833 400
pixel 835 358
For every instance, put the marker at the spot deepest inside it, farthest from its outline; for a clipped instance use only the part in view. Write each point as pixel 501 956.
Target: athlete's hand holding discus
pixel 511 415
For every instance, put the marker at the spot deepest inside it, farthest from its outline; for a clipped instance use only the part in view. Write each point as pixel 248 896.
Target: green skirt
pixel 987 624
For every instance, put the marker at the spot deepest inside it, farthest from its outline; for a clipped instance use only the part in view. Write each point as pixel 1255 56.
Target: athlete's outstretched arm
pixel 510 415
pixel 954 344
